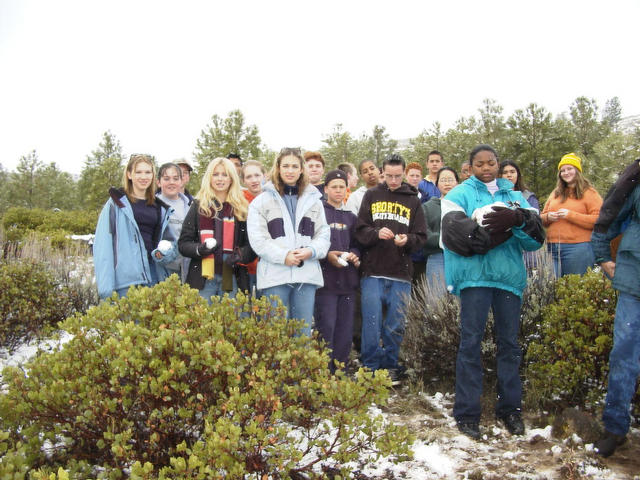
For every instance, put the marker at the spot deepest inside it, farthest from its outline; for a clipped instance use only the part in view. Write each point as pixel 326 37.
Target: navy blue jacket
pixel 342 224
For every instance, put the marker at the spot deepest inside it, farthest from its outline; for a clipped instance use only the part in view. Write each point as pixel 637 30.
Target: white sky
pixel 154 72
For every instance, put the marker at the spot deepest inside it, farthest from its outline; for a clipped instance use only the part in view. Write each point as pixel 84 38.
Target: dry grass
pixel 71 264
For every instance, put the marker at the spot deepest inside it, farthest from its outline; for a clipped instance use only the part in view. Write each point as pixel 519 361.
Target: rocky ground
pixel 441 452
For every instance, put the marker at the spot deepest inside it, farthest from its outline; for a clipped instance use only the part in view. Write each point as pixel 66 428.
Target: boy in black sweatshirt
pixel 390 227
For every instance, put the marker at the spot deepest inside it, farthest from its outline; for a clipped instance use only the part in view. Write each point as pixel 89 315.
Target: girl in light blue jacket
pixel 130 227
pixel 288 231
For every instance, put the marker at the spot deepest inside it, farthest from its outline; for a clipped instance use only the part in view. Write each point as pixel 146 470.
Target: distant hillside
pixel 629 124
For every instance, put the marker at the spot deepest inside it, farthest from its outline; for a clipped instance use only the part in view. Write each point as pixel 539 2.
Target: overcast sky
pixel 154 72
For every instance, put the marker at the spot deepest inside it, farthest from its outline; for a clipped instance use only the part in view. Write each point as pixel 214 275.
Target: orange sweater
pixel 578 225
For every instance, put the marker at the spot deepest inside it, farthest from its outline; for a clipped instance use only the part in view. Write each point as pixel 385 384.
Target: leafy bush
pixel 569 361
pixel 30 301
pixel 40 285
pixel 162 385
pixel 18 222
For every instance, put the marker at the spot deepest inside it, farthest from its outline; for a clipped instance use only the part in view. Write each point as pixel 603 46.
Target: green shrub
pixel 19 222
pixel 569 361
pixel 162 385
pixel 30 301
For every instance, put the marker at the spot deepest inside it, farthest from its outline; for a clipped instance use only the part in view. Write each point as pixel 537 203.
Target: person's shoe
pixel 606 445
pixel 395 376
pixel 469 428
pixel 513 422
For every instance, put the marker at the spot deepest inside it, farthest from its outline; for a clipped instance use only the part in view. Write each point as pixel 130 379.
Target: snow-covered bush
pixel 162 385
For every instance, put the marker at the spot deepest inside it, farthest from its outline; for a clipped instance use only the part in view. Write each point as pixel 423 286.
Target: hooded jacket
pixel 119 255
pixel 620 213
pixel 470 259
pixel 399 210
pixel 272 235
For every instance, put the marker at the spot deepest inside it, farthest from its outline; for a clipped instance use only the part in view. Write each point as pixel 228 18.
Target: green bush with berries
pixel 161 384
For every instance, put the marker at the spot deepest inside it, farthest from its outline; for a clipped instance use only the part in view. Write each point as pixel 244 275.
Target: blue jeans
pixel 474 310
pixel 624 364
pixel 571 258
pixel 298 298
pixel 376 293
pixel 213 287
pixel 435 273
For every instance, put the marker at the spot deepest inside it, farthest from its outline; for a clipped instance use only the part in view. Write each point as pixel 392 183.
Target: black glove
pixel 499 238
pixel 204 251
pixel 502 219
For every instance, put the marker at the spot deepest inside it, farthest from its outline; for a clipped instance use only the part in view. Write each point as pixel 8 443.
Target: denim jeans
pixel 474 309
pixel 298 299
pixel 213 287
pixel 624 364
pixel 376 293
pixel 571 258
pixel 435 273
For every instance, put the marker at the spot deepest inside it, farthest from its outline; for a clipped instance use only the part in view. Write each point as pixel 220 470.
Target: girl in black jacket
pixel 214 232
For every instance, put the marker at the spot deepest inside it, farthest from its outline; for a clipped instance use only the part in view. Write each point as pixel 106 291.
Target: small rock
pixel 575 422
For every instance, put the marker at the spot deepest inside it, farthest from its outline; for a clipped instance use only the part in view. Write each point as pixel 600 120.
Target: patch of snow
pixel 541 432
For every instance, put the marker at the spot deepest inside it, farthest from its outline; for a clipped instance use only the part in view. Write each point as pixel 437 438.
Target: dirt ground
pixel 498 455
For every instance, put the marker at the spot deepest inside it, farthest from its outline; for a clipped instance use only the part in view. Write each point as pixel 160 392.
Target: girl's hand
pixel 291 260
pixel 303 253
pixel 562 213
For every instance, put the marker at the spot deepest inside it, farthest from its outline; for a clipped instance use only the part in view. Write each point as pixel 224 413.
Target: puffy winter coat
pixel 119 255
pixel 470 260
pixel 272 235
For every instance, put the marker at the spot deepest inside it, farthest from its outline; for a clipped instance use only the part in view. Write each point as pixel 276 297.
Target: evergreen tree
pixel 491 126
pixel 102 170
pixel 612 113
pixel 4 187
pixel 22 183
pixel 428 140
pixel 340 147
pixel 587 128
pixel 610 156
pixel 56 189
pixel 531 131
pixel 460 140
pixel 224 136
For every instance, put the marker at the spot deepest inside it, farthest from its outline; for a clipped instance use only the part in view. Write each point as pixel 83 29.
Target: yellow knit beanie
pixel 571 159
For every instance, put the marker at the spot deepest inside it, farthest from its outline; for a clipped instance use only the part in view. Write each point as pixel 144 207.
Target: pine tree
pixel 102 170
pixel 224 136
pixel 22 183
pixel 340 147
pixel 530 134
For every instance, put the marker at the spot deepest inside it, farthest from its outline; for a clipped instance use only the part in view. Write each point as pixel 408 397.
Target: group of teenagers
pixel 317 244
